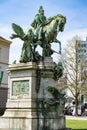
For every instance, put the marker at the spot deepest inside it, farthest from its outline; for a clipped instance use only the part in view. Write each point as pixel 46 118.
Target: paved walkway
pixel 76 118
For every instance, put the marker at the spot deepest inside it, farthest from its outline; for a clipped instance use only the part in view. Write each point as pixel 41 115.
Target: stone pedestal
pixel 28 89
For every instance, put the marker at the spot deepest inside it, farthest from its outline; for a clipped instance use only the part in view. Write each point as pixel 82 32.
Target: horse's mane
pixel 51 18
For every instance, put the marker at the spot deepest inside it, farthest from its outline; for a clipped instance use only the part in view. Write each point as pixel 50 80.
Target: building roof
pixel 5 41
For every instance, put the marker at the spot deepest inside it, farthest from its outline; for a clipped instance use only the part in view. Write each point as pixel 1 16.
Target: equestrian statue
pixel 43 32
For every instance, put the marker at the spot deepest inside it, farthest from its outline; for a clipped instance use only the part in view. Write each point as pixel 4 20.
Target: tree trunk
pixel 76 107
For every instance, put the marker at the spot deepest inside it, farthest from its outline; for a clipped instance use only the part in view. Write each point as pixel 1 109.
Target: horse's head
pixel 61 21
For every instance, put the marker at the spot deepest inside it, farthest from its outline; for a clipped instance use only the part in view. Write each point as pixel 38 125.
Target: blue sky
pixel 22 12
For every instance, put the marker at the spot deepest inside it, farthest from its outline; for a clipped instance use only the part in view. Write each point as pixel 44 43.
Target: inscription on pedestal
pixel 20 87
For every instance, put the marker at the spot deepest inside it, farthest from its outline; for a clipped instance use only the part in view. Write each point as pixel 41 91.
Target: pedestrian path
pixel 76 118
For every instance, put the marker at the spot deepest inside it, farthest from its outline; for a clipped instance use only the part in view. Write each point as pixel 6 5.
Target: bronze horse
pixel 50 32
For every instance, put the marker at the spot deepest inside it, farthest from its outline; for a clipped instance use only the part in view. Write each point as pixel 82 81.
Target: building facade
pixel 83 51
pixel 77 67
pixel 4 61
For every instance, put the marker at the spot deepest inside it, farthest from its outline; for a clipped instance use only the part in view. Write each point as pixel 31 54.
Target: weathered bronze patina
pixel 43 32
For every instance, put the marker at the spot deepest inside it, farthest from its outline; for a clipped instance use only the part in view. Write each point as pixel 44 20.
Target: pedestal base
pixel 26 108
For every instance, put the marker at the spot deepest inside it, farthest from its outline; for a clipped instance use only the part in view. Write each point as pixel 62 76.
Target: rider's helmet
pixel 41 9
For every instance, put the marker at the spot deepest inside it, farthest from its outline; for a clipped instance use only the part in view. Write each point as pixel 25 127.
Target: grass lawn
pixel 76 124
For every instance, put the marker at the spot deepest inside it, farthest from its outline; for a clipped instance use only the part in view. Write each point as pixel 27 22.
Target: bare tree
pixel 74 61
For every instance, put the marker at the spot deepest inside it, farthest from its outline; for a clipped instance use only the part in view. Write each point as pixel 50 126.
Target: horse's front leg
pixel 57 41
pixel 59 47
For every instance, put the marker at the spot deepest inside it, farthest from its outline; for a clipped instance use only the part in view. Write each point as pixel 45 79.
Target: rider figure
pixel 39 22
